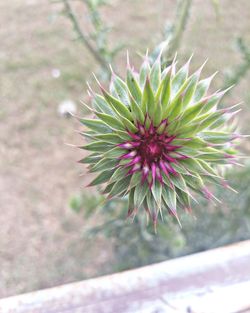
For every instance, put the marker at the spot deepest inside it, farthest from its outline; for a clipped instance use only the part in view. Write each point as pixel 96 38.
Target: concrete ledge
pixel 215 281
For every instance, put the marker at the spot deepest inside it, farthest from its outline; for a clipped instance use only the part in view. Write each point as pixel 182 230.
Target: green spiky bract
pixel 159 138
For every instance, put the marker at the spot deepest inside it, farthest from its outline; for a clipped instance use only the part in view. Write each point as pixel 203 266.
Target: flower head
pixel 158 137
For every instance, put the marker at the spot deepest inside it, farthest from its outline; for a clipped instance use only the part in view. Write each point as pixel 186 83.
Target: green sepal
pixel 128 125
pixel 191 87
pixel 119 173
pixel 140 194
pixel 157 116
pixel 193 166
pixel 157 193
pixel 194 143
pixel 96 125
pixel 190 113
pixel 180 79
pixel 131 204
pixel 117 105
pixel 175 97
pixel 100 104
pixel 195 182
pixel 184 199
pixel 123 134
pixel 180 169
pixel 119 187
pixel 166 94
pixel 213 101
pixel 208 168
pixel 151 205
pixel 133 86
pixel 109 138
pixel 176 110
pixel 110 121
pixel 97 146
pixel 179 182
pixel 121 89
pixel 184 131
pixel 169 196
pixel 113 153
pixel 102 178
pixel 187 151
pixel 210 103
pixel 90 135
pixel 155 74
pixel 216 137
pixel 108 188
pixel 136 111
pixel 144 72
pixel 202 88
pixel 208 120
pixel 148 102
pixel 104 164
pixel 92 158
pixel 135 180
pixel 212 157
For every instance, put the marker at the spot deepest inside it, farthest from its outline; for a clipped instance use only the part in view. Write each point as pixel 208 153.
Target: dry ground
pixel 41 242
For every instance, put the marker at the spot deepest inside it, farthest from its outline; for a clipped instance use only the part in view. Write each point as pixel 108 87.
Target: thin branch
pixel 82 36
pixel 242 69
pixel 179 26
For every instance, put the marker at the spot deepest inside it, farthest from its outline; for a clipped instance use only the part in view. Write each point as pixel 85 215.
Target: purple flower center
pixel 152 151
pixel 151 148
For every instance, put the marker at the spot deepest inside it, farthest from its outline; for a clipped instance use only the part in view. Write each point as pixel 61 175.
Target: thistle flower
pixel 159 137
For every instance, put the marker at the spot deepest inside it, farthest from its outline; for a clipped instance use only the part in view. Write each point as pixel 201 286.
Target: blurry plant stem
pixel 178 27
pixel 241 70
pixel 82 36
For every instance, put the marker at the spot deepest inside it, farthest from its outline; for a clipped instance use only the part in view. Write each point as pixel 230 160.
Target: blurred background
pixel 54 230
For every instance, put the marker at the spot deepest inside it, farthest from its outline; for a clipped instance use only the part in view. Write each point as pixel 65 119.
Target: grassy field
pixel 41 239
